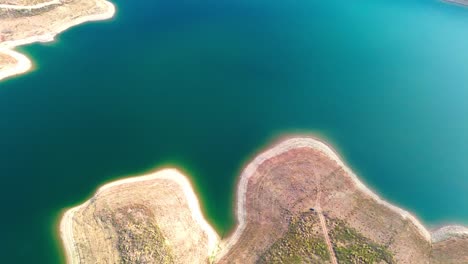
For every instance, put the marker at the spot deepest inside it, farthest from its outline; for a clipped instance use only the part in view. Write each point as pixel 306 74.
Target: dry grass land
pixel 141 222
pixel 301 206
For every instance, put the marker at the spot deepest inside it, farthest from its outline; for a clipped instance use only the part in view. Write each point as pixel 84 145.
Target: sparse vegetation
pixel 352 247
pixel 121 225
pixel 139 238
pixel 303 243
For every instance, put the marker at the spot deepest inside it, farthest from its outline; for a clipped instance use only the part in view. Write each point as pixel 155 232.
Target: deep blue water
pixel 203 85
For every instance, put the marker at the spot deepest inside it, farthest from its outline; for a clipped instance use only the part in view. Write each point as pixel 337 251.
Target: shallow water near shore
pixel 204 85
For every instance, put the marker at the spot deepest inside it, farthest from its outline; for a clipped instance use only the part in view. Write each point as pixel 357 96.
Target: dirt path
pixel 326 236
pixel 323 223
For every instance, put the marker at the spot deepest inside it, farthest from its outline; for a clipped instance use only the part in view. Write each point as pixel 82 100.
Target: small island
pixel 28 21
pixel 297 202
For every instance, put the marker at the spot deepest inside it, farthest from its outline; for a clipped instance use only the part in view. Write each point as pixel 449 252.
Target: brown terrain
pixel 301 205
pixel 23 23
pixel 361 230
pixel 28 21
pixel 139 222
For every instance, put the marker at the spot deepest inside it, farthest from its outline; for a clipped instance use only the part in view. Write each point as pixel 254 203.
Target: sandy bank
pixel 66 224
pixel 24 64
pixel 316 144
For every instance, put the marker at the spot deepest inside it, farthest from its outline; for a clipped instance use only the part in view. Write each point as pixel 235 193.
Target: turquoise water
pixel 205 84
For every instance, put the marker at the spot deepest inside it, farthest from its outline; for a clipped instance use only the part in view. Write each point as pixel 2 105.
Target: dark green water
pixel 203 85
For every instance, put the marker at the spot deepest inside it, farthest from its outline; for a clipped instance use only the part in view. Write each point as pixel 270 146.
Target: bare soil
pixel 301 206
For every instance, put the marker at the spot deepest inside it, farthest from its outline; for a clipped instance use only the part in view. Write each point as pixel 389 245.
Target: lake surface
pixel 205 84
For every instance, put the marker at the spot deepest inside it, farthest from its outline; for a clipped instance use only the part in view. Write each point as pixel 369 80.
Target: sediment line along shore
pixel 316 144
pixel 23 63
pixel 219 248
pixel 66 224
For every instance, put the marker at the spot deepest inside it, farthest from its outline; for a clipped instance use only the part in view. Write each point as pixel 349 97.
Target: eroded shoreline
pixel 225 245
pixel 66 230
pixel 288 144
pixel 24 64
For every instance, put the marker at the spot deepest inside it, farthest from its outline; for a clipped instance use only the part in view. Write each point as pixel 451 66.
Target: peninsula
pixel 28 21
pixel 297 202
